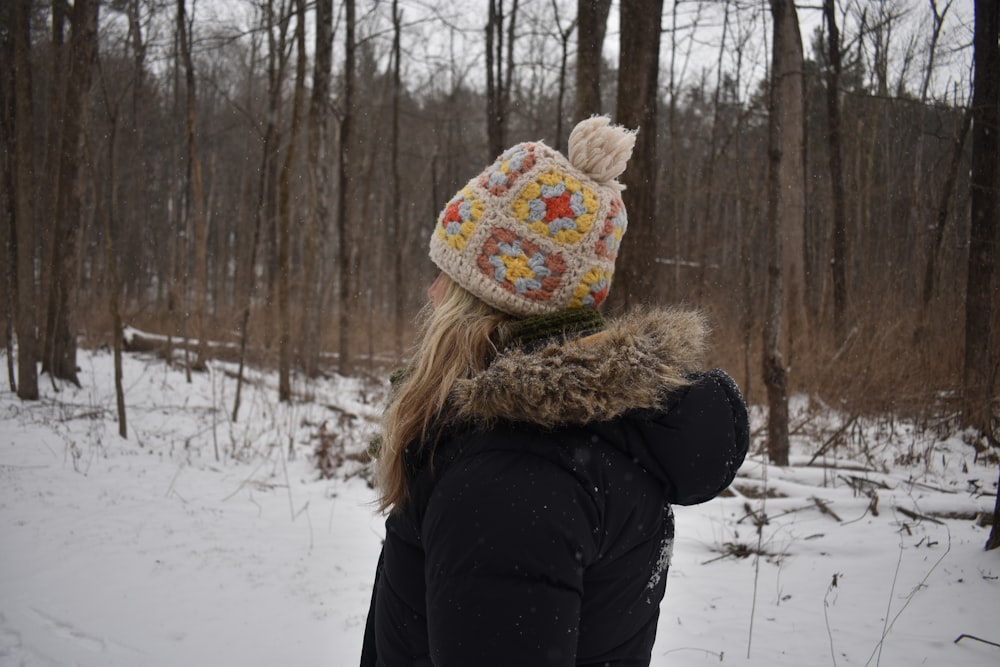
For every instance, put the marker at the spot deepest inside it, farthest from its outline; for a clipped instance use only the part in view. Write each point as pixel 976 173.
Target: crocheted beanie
pixel 536 232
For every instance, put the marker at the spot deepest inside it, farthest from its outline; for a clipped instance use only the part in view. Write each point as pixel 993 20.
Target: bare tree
pixel 786 191
pixel 59 356
pixel 193 187
pixel 19 184
pixel 319 186
pixel 265 205
pixel 499 73
pixel 397 232
pixel 344 228
pixel 106 196
pixel 592 21
pixel 285 213
pixel 637 108
pixel 979 363
pixel 838 262
pixel 564 35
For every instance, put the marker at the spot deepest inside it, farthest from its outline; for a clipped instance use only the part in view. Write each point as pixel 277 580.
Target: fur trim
pixel 634 363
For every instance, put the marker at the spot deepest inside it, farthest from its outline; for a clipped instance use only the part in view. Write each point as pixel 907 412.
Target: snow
pixel 150 551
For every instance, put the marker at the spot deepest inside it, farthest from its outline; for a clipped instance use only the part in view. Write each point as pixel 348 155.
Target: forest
pixel 257 180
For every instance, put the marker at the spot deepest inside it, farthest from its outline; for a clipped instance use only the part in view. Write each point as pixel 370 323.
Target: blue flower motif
pixel 552 191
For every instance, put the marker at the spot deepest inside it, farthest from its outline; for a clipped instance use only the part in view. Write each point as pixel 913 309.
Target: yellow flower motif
pixel 517 267
pixel 521 210
pixel 467 228
pixel 457 242
pixel 440 232
pixel 531 191
pixel 584 223
pixel 567 236
pixel 539 228
pixel 592 276
pixel 550 178
pixel 582 290
pixel 571 184
pixel 505 167
pixel 476 209
pixel 589 199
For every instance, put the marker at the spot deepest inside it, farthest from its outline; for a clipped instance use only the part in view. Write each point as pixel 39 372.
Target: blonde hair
pixel 458 338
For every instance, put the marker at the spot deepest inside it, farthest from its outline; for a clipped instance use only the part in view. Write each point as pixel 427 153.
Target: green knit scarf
pixel 537 329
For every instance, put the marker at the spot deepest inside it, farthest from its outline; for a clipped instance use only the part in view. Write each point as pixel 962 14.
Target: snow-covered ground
pixel 152 551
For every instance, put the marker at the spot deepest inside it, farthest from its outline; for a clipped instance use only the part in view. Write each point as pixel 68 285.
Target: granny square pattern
pixel 534 233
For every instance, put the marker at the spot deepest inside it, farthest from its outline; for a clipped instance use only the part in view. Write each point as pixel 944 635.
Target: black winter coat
pixel 541 532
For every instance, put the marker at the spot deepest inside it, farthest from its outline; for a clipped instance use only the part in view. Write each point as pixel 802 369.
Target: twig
pixel 215 436
pixel 888 607
pixel 172 481
pixel 246 481
pixel 291 503
pixel 832 439
pixel 825 509
pixel 918 517
pixel 826 616
pixel 978 639
pixel 756 563
pixel 719 655
pixel 909 598
pixel 928 486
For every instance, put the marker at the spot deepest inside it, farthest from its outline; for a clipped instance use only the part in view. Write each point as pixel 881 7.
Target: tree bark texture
pixel 979 363
pixel 637 108
pixel 22 233
pixel 194 204
pixel 786 211
pixel 344 230
pixel 592 24
pixel 838 262
pixel 319 187
pixel 398 233
pixel 59 358
pixel 285 211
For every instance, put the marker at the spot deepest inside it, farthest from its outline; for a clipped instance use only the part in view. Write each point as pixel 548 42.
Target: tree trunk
pixel 637 108
pixel 494 78
pixel 285 213
pixel 265 201
pixel 786 211
pixel 106 197
pixel 193 197
pixel 592 23
pixel 398 233
pixel 59 358
pixel 319 183
pixel 792 211
pixel 979 370
pixel 838 263
pixel 345 234
pixel 8 198
pixel 24 290
pixel 564 35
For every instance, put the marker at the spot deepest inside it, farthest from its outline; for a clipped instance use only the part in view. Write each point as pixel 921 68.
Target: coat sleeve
pixel 506 537
pixel 704 438
pixel 695 443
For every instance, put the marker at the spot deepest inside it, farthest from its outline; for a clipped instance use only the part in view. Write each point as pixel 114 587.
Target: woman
pixel 530 454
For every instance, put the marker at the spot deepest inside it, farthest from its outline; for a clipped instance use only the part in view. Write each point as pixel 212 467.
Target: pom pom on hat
pixel 535 232
pixel 601 150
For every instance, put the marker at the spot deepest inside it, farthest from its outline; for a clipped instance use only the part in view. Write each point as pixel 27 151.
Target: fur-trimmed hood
pixel 636 362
